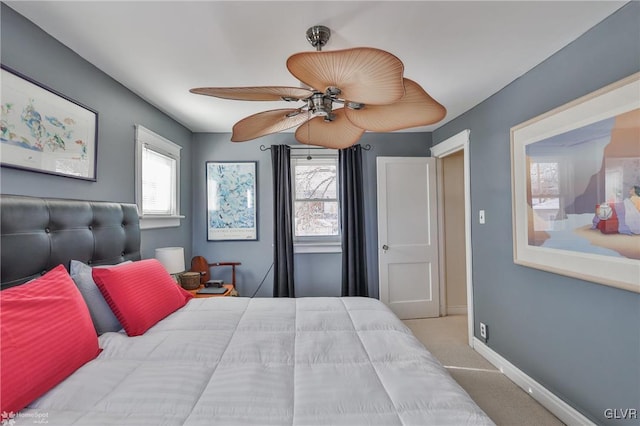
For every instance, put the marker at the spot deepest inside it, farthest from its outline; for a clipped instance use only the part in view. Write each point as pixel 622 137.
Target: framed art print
pixel 231 201
pixel 576 188
pixel 44 131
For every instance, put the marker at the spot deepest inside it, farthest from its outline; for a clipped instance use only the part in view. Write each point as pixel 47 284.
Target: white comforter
pixel 240 361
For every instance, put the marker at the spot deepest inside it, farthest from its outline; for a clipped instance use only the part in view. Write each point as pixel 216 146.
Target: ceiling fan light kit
pixel 368 83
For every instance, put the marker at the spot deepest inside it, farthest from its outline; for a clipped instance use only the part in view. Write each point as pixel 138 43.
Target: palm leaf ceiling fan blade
pixel 363 75
pixel 416 108
pixel 267 122
pixel 260 93
pixel 336 134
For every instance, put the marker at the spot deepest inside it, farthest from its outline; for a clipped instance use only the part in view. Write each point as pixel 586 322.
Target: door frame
pixel 458 142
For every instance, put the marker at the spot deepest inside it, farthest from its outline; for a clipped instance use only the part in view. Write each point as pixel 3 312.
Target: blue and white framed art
pixel 231 201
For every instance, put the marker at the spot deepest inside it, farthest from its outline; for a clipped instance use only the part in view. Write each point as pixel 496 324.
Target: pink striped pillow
pixel 140 294
pixel 46 333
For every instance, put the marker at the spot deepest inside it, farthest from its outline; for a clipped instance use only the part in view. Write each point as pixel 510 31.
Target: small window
pixel 157 180
pixel 315 201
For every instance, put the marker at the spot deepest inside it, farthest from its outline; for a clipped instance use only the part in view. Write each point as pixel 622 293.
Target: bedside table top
pixel 229 288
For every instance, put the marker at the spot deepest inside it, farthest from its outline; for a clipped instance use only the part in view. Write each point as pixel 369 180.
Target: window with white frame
pixel 315 201
pixel 157 180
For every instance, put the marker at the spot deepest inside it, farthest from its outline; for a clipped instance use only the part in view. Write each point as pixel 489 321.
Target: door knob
pixel 385 247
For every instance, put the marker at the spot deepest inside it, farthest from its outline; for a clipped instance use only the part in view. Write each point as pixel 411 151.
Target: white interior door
pixel 407 236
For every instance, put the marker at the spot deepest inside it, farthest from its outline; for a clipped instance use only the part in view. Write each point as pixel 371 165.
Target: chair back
pixel 200 264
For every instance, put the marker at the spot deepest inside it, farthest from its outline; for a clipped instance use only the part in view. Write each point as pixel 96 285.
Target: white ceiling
pixel 460 52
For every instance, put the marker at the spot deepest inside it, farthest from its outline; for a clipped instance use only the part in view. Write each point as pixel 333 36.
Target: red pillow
pixel 46 333
pixel 140 294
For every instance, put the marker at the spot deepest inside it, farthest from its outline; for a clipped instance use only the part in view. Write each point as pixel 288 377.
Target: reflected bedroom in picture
pixel 583 188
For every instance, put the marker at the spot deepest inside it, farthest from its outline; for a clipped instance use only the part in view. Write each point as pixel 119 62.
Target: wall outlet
pixel 484 331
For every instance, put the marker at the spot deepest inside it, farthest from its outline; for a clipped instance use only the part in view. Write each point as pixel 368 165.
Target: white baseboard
pixel 457 310
pixel 558 407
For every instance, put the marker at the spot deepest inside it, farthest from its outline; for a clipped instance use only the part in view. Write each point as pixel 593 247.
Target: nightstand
pixel 230 289
pixel 199 264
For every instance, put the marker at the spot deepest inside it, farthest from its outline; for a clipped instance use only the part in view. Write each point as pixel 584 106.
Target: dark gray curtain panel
pixel 283 285
pixel 354 259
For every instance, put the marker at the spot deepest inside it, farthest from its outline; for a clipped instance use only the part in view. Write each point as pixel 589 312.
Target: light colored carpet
pixel 502 400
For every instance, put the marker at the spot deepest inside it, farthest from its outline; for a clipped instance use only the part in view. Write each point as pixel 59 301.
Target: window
pixel 315 201
pixel 157 180
pixel 545 193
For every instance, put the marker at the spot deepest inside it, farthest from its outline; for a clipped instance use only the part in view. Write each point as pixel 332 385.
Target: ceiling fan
pixel 349 91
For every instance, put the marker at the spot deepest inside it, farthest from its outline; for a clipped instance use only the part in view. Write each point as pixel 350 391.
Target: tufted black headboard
pixel 37 234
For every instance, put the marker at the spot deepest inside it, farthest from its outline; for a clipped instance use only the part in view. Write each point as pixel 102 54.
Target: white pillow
pixel 103 318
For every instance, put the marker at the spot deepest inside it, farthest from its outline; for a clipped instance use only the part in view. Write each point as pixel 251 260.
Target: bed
pixel 230 361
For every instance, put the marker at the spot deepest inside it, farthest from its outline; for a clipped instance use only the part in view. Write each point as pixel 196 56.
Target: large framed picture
pixel 576 188
pixel 231 201
pixel 45 131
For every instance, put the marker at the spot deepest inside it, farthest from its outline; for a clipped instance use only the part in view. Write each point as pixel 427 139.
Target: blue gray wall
pixel 30 51
pixel 579 339
pixel 315 274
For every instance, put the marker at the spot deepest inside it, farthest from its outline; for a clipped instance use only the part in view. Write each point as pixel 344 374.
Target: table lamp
pixel 172 258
